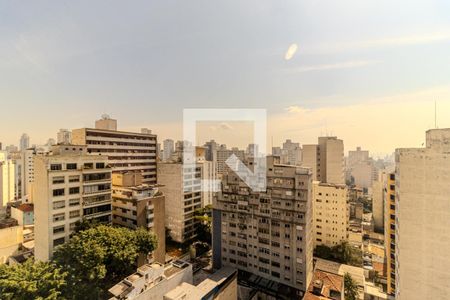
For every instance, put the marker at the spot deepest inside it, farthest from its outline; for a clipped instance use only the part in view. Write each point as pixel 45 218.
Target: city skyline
pixel 317 69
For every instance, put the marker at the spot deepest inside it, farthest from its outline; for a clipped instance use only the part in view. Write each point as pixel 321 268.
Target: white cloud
pixel 291 51
pixel 335 66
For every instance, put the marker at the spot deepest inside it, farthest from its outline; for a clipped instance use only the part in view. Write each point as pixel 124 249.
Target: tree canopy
pixel 40 280
pixel 85 267
pixel 342 253
pixel 99 257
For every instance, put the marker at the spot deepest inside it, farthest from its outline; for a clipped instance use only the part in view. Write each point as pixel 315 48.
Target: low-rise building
pixel 135 204
pixel 152 281
pixel 221 285
pixel 11 237
pixel 325 286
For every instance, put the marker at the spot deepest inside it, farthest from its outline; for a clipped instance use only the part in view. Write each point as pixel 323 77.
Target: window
pixel 59 204
pixel 58 192
pixel 74 202
pixel 71 166
pixel 74 214
pixel 58 229
pixel 58 242
pixel 55 167
pixel 74 190
pixel 88 165
pixel 58 179
pixel 74 178
pixel 58 217
pixel 100 165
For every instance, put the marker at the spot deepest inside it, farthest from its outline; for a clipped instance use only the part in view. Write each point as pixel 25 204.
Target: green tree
pixel 99 257
pixel 204 228
pixel 40 280
pixel 350 287
pixel 342 253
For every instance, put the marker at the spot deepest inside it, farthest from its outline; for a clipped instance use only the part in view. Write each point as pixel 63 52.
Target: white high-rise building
pixel 291 153
pixel 7 179
pixel 422 213
pixel 168 149
pixel 24 142
pixel 70 185
pixel 182 188
pixel 64 136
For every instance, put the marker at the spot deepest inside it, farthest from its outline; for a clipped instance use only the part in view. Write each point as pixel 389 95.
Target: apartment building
pixel 330 214
pixel 389 233
pixel 268 235
pixel 70 185
pixel 326 159
pixel 223 154
pixel 64 136
pixel 291 153
pixel 422 213
pixel 135 204
pixel 126 151
pixel 182 189
pixel 7 179
pixel 168 149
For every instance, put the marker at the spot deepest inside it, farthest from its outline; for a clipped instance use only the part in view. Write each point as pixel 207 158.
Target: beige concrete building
pixel 326 159
pixel 423 219
pixel 378 200
pixel 127 151
pixel 11 237
pixel 7 179
pixel 223 154
pixel 291 153
pixel 135 204
pixel 182 189
pixel 152 281
pixel 389 233
pixel 221 285
pixel 330 214
pixel 70 185
pixel 267 236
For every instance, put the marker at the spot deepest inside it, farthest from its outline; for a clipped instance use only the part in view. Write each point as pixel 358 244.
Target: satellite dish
pixel 105 117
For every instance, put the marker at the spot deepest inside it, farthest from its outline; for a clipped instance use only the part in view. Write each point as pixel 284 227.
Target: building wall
pixel 11 238
pixel 389 232
pixel 423 219
pixel 127 151
pixel 378 203
pixel 331 169
pixel 330 217
pixel 267 234
pixel 7 179
pixel 310 155
pixel 56 215
pixel 182 189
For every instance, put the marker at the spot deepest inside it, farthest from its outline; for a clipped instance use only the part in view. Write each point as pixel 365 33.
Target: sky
pixel 368 71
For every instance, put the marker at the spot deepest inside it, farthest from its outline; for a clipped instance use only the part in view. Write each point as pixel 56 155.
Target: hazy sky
pixel 366 71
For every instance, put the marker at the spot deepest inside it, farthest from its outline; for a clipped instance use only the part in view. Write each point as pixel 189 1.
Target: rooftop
pixel 325 285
